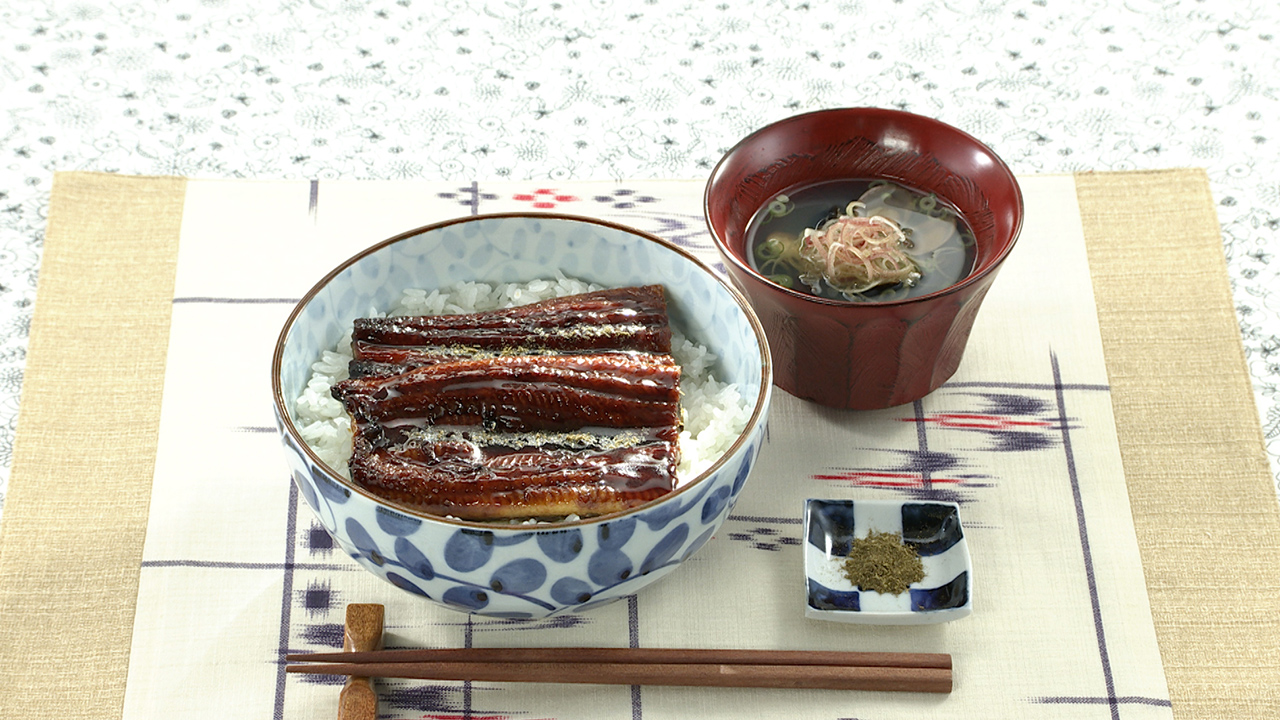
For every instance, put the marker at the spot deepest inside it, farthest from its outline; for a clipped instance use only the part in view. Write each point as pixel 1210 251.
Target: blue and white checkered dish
pixel 523 571
pixel 932 528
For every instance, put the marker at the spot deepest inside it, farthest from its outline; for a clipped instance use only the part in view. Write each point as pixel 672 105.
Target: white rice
pixel 714 412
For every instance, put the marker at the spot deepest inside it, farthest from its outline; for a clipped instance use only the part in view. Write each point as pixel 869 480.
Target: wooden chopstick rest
pixel 362 632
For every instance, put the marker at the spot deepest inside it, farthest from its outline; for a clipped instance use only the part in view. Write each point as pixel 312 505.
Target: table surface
pixel 347 89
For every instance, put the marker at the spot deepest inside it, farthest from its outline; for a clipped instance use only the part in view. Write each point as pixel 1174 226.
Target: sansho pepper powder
pixel 880 562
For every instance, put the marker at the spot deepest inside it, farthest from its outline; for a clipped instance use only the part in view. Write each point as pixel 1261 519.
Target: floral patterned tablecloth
pixel 574 90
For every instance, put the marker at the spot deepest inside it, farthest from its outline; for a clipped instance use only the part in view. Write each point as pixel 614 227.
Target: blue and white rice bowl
pixel 523 570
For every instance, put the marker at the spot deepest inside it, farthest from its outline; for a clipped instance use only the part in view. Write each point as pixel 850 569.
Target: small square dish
pixel 932 529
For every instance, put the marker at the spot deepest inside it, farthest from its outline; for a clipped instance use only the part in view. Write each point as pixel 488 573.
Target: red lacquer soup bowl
pixel 865 355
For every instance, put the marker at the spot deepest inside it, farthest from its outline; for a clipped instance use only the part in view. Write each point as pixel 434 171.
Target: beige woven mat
pixel 1203 507
pixel 74 520
pixel 76 512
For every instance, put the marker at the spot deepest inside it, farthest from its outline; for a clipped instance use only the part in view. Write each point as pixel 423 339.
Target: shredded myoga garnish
pixel 860 240
pixel 852 253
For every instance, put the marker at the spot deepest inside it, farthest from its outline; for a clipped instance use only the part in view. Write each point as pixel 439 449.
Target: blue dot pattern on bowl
pixel 524 571
pixel 394 523
pixel 931 528
pixel 467 550
pixel 413 560
pixel 561 546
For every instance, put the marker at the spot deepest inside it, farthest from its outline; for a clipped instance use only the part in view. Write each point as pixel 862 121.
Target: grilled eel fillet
pixel 495 434
pixel 622 319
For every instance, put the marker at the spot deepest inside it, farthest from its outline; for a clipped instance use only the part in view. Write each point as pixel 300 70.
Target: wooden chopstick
pixel 897 672
pixel 670 656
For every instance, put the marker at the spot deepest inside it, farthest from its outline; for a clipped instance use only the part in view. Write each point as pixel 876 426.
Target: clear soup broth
pixel 933 249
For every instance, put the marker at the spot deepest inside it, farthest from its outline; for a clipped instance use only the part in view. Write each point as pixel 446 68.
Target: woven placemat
pixel 1203 506
pixel 76 512
pixel 75 516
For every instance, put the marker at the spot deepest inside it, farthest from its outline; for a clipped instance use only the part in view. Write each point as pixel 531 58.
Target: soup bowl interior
pixel 867 143
pixel 864 355
pixel 506 569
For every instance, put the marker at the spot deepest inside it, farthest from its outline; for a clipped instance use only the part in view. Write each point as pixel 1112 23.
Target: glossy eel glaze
pixel 564 407
pixel 621 319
